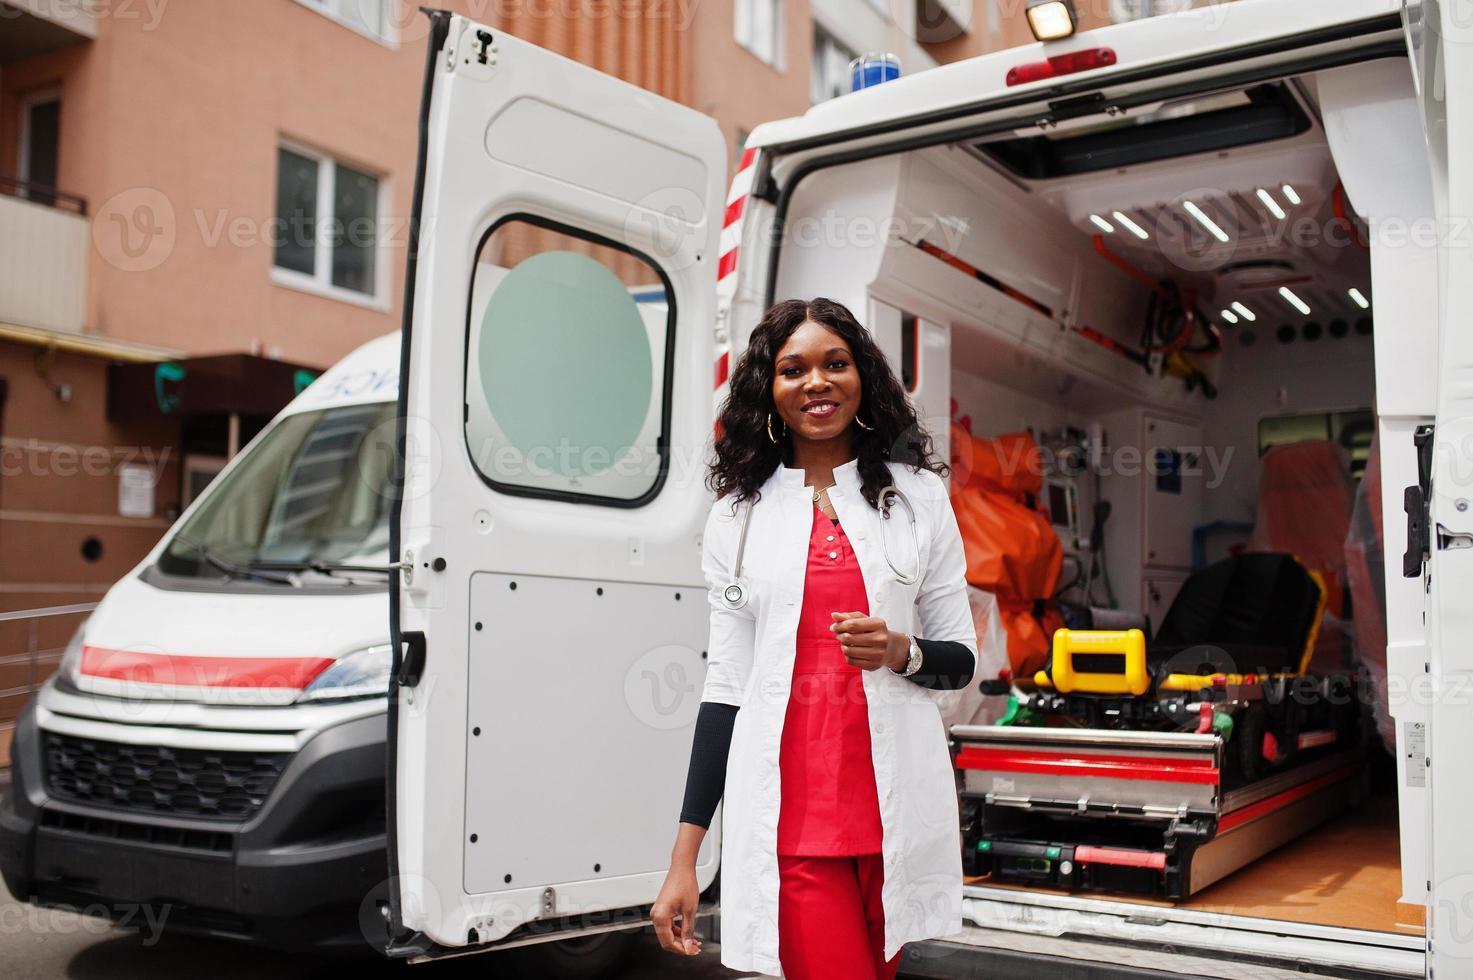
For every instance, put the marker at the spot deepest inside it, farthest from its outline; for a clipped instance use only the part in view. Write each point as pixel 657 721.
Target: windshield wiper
pixel 324 567
pixel 232 568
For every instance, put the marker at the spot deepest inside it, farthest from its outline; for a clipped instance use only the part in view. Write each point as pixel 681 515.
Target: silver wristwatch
pixel 913 663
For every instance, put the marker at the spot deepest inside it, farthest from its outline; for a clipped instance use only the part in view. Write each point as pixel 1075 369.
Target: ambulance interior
pixel 1151 336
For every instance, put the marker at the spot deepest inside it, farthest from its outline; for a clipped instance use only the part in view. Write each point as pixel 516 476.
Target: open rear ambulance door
pixel 550 614
pixel 1442 54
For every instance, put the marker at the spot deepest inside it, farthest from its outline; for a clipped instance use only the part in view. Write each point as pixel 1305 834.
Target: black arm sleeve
pixel 706 777
pixel 945 665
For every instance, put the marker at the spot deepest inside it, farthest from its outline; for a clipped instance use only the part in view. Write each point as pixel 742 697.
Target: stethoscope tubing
pixel 735 596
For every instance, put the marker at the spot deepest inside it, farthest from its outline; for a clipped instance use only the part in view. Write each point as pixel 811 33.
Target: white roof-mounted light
pixel 1244 312
pixel 1102 224
pixel 1293 300
pixel 1360 298
pixel 1052 20
pixel 1204 221
pixel 1271 204
pixel 1230 316
pixel 1290 194
pixel 1133 228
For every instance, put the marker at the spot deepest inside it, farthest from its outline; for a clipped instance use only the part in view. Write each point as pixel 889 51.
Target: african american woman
pixel 839 612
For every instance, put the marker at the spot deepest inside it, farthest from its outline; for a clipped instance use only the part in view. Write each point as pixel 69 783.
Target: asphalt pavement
pixel 46 944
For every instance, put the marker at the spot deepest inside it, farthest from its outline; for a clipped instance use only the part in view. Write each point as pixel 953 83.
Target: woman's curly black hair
pixel 746 457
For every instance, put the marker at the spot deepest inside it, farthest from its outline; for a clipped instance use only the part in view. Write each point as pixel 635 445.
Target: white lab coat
pixel 750 664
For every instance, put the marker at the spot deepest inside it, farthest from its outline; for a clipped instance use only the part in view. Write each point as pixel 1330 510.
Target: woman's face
pixel 815 385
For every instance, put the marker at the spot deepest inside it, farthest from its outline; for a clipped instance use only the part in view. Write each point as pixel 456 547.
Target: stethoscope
pixel 735 597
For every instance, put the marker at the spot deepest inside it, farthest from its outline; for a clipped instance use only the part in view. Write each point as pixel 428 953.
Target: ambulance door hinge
pixel 452 41
pixel 412 659
pixel 764 188
pixel 1417 502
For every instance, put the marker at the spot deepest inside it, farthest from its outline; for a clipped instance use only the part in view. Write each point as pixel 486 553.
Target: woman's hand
pixel 678 897
pixel 868 643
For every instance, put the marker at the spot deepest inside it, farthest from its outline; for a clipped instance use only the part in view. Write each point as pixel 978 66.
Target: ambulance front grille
pixel 158 779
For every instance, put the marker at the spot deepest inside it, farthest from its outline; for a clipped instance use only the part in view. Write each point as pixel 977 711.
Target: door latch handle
pixel 412 662
pixel 1416 501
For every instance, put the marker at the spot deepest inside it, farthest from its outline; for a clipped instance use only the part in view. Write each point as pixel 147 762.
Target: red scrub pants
pixel 830 922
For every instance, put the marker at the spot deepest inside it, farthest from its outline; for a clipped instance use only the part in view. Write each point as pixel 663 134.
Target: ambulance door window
pixel 569 356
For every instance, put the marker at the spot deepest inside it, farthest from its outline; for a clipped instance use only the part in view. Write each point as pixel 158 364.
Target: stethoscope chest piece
pixel 734 596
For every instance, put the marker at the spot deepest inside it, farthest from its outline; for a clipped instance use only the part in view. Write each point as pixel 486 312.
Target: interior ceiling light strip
pixel 1206 222
pixel 1102 224
pixel 1291 194
pixel 1244 312
pixel 1230 316
pixel 1294 300
pixel 1360 298
pixel 1271 204
pixel 1133 228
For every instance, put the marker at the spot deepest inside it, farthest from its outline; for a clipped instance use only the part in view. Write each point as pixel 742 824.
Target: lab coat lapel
pixel 795 508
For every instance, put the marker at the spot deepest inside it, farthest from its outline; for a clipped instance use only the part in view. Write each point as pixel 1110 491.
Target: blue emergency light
pixel 871 69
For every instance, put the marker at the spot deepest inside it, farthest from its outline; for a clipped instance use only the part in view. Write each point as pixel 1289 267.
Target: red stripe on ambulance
pixel 184 670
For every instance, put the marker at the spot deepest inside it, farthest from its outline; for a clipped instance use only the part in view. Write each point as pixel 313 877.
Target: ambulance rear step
pixel 1015 934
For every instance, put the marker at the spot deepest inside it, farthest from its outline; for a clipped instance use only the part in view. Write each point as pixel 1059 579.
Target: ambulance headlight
pixel 360 674
pixel 71 660
pixel 1051 20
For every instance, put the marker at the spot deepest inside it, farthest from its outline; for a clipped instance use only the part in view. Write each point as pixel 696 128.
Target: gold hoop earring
pixel 860 422
pixel 769 429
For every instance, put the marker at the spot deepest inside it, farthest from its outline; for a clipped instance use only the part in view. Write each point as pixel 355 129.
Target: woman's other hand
pixel 674 911
pixel 868 643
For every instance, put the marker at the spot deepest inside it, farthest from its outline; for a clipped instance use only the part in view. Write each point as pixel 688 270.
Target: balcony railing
pixel 44 250
pixel 41 634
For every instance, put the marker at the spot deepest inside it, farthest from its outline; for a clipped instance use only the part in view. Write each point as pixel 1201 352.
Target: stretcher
pixel 1140 812
pixel 1157 768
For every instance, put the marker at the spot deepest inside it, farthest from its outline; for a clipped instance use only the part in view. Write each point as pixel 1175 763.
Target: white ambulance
pixel 579 289
pixel 212 743
pixel 1001 225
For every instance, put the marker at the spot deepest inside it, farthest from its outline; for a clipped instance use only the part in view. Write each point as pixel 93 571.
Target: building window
pixel 759 29
pixel 327 225
pixel 548 298
pixel 367 17
pixel 830 75
pixel 40 142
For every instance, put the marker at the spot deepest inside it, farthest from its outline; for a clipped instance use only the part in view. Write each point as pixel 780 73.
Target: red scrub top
pixel 829 806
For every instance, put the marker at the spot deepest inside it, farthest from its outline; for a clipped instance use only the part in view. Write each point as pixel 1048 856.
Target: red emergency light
pixel 1061 64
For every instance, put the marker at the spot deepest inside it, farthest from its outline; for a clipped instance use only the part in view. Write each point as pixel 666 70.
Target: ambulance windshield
pixel 313 491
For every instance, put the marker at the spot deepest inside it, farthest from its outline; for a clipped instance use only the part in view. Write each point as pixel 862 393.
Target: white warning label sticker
pixel 1414 749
